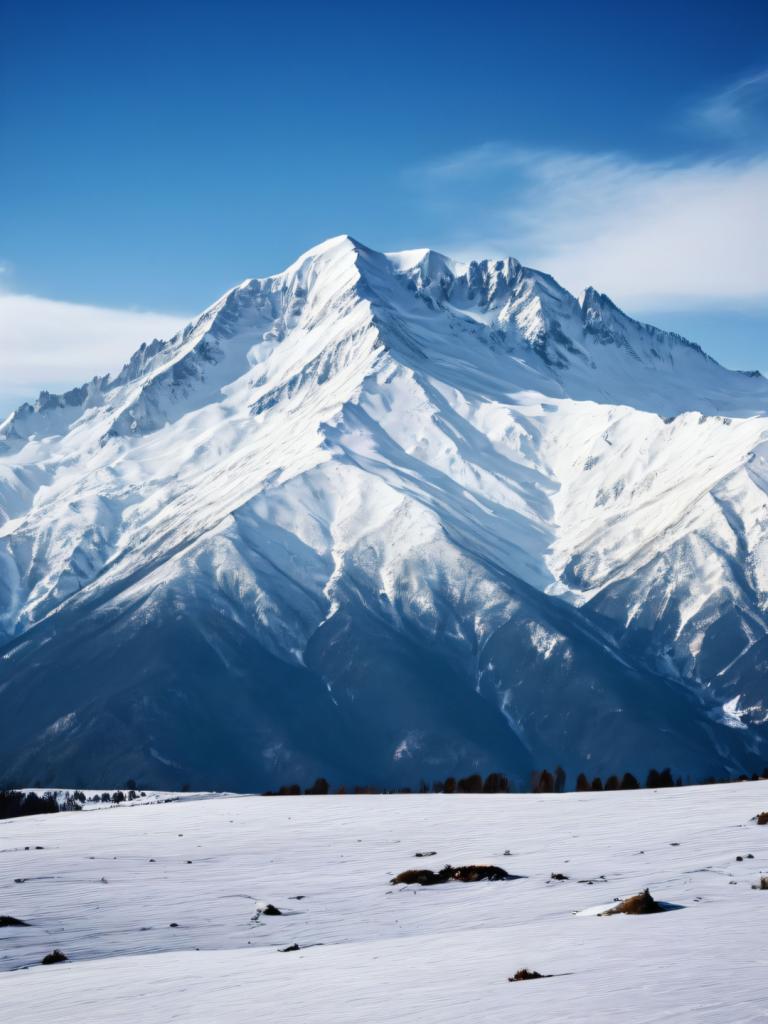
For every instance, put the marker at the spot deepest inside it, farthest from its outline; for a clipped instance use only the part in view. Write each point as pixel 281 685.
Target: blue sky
pixel 156 154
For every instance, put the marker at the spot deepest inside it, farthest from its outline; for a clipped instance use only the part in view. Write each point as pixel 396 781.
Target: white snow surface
pixel 106 885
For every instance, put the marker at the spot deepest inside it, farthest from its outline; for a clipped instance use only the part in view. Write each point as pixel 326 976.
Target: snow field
pixel 108 884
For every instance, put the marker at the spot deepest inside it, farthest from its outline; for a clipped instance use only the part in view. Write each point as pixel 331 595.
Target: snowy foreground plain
pixel 108 883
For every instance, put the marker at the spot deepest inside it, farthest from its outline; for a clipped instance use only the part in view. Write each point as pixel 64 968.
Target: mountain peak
pixel 505 305
pixel 388 513
pixel 591 297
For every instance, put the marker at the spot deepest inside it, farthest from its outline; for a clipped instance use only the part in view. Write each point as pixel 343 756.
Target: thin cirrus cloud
pixel 54 346
pixel 739 110
pixel 654 235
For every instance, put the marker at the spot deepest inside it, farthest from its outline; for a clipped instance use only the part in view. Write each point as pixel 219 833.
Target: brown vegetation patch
pixel 643 903
pixel 762 818
pixel 480 873
pixel 468 873
pixel 762 884
pixel 420 876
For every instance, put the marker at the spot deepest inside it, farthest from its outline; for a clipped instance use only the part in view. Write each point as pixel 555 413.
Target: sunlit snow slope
pixel 385 516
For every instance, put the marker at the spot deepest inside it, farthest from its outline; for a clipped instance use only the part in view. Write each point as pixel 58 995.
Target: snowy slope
pixel 107 885
pixel 385 515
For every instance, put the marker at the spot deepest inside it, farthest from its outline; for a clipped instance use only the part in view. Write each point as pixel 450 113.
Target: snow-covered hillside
pixel 384 516
pixel 107 888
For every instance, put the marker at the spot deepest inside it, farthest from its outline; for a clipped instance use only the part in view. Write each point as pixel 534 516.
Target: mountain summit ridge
pixel 383 515
pixel 419 266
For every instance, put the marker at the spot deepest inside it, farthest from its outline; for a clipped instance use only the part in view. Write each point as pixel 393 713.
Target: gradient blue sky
pixel 155 154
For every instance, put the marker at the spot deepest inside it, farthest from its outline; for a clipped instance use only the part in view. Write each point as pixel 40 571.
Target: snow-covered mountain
pixel 385 516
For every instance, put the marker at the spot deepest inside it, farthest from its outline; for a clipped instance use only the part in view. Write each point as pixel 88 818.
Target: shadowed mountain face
pixel 384 517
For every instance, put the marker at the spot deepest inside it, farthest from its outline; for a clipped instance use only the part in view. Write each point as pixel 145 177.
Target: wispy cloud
pixel 688 232
pixel 57 345
pixel 651 234
pixel 740 108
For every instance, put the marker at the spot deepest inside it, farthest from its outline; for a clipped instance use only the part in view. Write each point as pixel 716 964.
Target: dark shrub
pixel 582 783
pixel 628 781
pixel 762 884
pixel 470 784
pixel 449 786
pixel 271 911
pixel 526 975
pixel 643 903
pixel 118 797
pixel 542 782
pixel 495 782
pixel 319 787
pixel 559 780
pixel 56 957
pixel 762 818
pixel 11 922
pixel 659 780
pixel 612 783
pixel 597 784
pixel 556 876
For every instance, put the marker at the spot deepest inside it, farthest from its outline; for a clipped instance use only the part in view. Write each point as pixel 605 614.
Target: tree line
pixel 16 804
pixel 542 781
